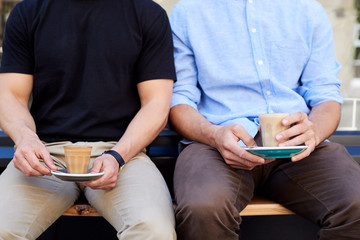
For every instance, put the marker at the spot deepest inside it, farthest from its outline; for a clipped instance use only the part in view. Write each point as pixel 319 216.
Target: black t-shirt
pixel 87 57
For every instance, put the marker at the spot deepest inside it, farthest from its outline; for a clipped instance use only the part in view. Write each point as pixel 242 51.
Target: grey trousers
pixel 139 207
pixel 323 188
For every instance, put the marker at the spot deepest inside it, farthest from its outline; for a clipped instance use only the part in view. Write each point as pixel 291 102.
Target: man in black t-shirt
pixel 99 73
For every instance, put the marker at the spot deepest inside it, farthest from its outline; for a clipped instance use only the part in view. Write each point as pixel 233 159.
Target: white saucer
pixel 65 176
pixel 276 152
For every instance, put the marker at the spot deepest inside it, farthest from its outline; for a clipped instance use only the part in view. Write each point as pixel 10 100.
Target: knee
pixel 346 212
pixel 351 208
pixel 8 233
pixel 344 220
pixel 209 209
pixel 160 228
pixel 153 226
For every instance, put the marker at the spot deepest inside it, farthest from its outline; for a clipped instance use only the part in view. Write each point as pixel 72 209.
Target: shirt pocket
pixel 287 62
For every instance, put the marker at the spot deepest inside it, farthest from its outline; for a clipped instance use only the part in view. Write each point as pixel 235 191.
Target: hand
pixel 226 141
pixel 301 131
pixel 110 167
pixel 27 154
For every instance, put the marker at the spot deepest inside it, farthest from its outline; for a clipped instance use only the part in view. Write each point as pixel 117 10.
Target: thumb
pixel 96 166
pixel 245 137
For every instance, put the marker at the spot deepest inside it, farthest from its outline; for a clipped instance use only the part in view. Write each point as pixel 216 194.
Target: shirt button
pixel 260 62
pixel 253 30
pixel 268 92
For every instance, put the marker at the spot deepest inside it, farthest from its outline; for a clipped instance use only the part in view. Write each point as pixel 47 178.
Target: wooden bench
pixel 164 150
pixel 259 206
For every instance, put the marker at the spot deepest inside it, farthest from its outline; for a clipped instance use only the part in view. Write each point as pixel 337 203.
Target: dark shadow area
pixel 79 228
pixel 283 227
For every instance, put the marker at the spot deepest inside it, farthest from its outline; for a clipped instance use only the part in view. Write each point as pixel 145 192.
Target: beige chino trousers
pixel 139 207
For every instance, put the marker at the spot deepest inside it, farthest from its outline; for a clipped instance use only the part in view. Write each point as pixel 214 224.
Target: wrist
pixel 212 135
pixel 116 155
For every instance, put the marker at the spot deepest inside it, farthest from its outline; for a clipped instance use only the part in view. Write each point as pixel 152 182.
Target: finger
pixel 293 142
pixel 247 139
pixel 299 139
pixel 38 166
pixel 101 180
pixel 30 163
pixel 290 132
pixel 299 133
pixel 97 165
pixel 311 147
pixel 301 155
pixel 108 180
pixel 24 167
pixel 294 118
pixel 244 157
pixel 269 160
pixel 246 161
pixel 253 158
pixel 48 160
pixel 93 184
pixel 101 184
pixel 236 152
pixel 35 163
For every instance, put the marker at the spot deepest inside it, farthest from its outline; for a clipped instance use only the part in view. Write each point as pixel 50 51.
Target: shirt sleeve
pixel 319 79
pixel 17 45
pixel 186 90
pixel 156 60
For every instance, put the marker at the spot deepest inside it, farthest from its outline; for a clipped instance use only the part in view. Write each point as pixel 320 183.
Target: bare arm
pixel 313 129
pixel 326 118
pixel 192 125
pixel 155 97
pixel 17 122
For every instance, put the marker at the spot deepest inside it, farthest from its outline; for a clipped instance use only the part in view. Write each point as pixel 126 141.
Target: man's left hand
pixel 110 167
pixel 301 131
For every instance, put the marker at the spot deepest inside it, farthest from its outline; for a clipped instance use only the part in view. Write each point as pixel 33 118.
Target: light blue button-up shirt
pixel 236 59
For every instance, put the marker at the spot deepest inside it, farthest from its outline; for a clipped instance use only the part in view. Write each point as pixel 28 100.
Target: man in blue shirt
pixel 234 61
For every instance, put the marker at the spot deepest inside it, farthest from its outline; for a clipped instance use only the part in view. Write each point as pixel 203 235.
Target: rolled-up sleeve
pixel 186 90
pixel 319 79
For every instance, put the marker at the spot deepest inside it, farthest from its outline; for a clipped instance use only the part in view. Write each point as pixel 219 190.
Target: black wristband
pixel 117 156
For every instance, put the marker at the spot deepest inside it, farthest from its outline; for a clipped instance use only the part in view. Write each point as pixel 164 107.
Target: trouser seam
pixel 306 190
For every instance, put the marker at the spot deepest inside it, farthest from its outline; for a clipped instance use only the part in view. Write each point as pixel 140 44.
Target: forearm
pixel 16 120
pixel 143 129
pixel 325 117
pixel 192 125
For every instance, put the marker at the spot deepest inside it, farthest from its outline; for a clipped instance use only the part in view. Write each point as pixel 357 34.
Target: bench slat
pixel 258 206
pixel 263 206
pixel 84 210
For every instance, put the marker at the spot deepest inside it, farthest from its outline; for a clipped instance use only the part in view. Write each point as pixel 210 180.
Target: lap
pixel 327 180
pixel 32 201
pixel 324 178
pixel 202 177
pixel 140 194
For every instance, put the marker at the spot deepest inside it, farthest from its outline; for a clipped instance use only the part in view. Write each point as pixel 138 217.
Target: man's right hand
pixel 226 140
pixel 28 151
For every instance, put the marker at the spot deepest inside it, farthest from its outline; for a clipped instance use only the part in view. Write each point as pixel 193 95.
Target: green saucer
pixel 276 152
